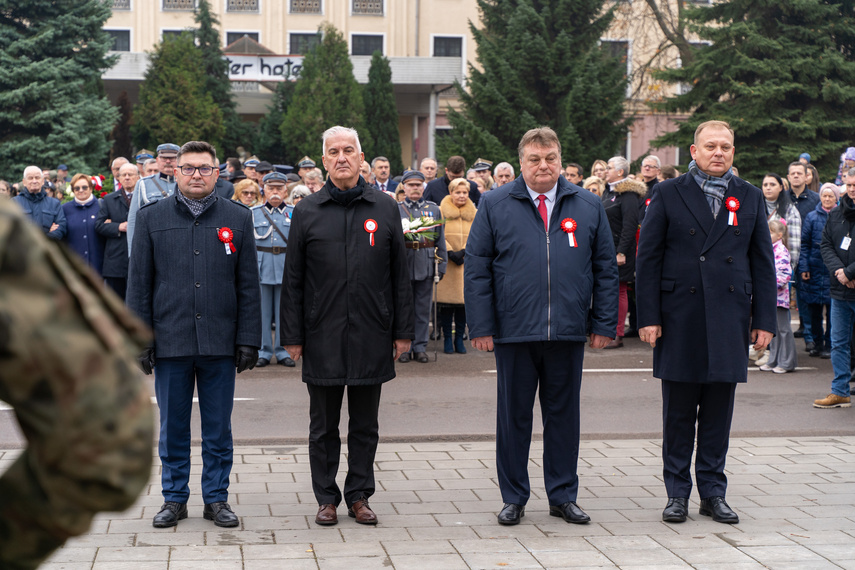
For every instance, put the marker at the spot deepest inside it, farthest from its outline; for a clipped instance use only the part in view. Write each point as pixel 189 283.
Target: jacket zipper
pixel 548 292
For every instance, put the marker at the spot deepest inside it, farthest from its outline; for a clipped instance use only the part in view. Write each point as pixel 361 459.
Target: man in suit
pixel 539 250
pixel 193 279
pixel 706 273
pixel 153 188
pixel 437 189
pixel 112 224
pixel 347 307
pixel 380 168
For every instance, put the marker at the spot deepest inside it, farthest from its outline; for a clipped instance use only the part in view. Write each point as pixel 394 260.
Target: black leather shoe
pixel 718 509
pixel 422 357
pixel 570 512
pixel 511 514
pixel 404 357
pixel 288 361
pixel 809 346
pixel 676 510
pixel 825 354
pixel 221 513
pixel 262 362
pixel 169 515
pixel 799 333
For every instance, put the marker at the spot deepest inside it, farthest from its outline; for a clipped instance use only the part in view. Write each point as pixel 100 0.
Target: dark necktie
pixel 541 207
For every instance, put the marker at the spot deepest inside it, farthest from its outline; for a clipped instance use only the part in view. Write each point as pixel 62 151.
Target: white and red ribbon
pixel 370 227
pixel 569 226
pixel 732 205
pixel 226 236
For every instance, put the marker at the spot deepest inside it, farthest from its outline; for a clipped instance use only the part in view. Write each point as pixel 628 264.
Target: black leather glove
pixel 245 357
pixel 146 360
pixel 456 257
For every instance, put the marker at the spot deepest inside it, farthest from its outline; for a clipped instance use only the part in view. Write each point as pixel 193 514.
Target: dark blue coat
pixel 817 289
pixel 199 300
pixel 437 189
pixel 44 211
pixel 703 281
pixel 841 223
pixel 522 285
pixel 115 209
pixel 82 237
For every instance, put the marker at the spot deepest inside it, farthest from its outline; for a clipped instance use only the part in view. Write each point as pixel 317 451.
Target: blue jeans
pixel 842 316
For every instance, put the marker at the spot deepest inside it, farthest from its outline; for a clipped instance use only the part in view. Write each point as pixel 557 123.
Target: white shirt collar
pixel 550 195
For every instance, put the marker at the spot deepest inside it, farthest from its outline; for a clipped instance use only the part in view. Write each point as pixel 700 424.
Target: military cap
pixel 291 177
pixel 274 177
pixel 64 167
pixel 143 155
pixel 482 164
pixel 306 162
pixel 412 174
pixel 263 166
pixel 168 150
pixel 251 162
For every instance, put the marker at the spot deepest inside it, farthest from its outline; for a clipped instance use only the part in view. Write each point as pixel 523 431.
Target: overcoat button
pixel 691 289
pixel 196 224
pixel 198 284
pixel 196 251
pixel 736 231
pixel 703 258
pixel 692 232
pixel 198 316
pixel 732 288
pixel 730 259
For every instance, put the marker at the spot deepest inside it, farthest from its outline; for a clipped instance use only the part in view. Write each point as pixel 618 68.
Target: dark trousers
pixel 555 367
pixel 455 313
pixel 422 291
pixel 821 339
pixel 174 381
pixel 363 404
pixel 710 406
pixel 117 284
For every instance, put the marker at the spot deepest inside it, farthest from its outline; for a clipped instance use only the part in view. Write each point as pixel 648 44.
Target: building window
pixel 172 34
pixel 232 37
pixel 242 6
pixel 300 44
pixel 367 7
pixel 618 49
pixel 362 44
pixel 121 40
pixel 121 4
pixel 173 5
pixel 305 7
pixel 447 47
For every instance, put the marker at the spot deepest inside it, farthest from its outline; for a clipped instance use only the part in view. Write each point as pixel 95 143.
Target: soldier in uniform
pixel 305 166
pixel 420 258
pixel 153 188
pixel 249 169
pixel 141 158
pixel 272 222
pixel 85 410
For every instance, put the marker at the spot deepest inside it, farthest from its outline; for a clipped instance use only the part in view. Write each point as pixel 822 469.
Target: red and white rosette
pixel 370 227
pixel 732 205
pixel 568 225
pixel 226 236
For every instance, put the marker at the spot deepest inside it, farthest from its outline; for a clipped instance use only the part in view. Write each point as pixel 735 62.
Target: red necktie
pixel 541 207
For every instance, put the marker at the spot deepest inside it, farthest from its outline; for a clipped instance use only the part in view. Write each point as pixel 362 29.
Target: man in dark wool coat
pixel 347 307
pixel 706 273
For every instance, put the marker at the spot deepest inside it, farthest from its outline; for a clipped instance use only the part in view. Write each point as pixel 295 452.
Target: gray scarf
pixel 712 186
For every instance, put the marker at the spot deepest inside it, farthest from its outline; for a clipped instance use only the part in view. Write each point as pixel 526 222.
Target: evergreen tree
pixel 175 105
pixel 52 106
pixel 381 114
pixel 781 73
pixel 121 135
pixel 268 143
pixel 217 81
pixel 542 64
pixel 326 95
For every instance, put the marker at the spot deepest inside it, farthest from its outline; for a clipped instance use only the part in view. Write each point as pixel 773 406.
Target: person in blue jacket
pixel 706 272
pixel 43 210
pixel 540 249
pixel 81 215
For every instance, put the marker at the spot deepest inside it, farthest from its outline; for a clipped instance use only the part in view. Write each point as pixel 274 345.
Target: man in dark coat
pixel 347 307
pixel 43 210
pixel 112 224
pixel 539 250
pixel 193 279
pixel 437 189
pixel 706 273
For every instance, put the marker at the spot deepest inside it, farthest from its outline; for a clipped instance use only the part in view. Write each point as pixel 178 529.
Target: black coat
pixel 841 223
pixel 622 211
pixel 705 282
pixel 199 300
pixel 437 189
pixel 115 209
pixel 343 299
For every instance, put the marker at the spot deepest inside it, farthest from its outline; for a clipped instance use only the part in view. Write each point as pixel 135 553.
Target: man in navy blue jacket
pixel 706 273
pixel 193 279
pixel 45 211
pixel 539 251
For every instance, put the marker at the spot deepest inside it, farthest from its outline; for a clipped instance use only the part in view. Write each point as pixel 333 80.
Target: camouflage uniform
pixel 67 368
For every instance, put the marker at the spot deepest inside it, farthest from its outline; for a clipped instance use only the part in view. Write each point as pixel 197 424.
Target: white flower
pixel 405 223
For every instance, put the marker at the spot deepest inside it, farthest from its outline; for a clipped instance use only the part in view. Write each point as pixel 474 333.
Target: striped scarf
pixel 712 186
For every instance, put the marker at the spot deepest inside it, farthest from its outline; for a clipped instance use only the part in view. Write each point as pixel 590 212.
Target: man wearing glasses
pixel 193 279
pixel 153 188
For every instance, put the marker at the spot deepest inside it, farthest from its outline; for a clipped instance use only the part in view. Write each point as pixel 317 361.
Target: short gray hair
pixel 378 159
pixel 503 166
pixel 299 191
pixel 654 158
pixel 427 158
pixel 339 130
pixel 33 168
pixel 850 173
pixel 620 163
pixel 314 175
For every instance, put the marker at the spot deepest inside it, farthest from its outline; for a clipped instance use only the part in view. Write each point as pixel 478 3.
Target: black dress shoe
pixel 169 515
pixel 511 514
pixel 825 354
pixel 221 513
pixel 422 357
pixel 799 333
pixel 262 362
pixel 404 357
pixel 676 510
pixel 570 512
pixel 815 352
pixel 809 346
pixel 718 509
pixel 288 361
pixel 630 333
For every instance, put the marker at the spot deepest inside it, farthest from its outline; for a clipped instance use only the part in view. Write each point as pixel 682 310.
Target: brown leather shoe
pixel 616 343
pixel 326 515
pixel 362 512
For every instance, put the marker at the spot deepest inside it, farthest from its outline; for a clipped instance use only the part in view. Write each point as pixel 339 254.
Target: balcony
pixel 367 7
pixel 179 5
pixel 305 7
pixel 121 4
pixel 250 6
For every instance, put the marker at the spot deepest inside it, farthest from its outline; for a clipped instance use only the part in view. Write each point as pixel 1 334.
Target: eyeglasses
pixel 188 170
pixel 247 193
pixel 80 188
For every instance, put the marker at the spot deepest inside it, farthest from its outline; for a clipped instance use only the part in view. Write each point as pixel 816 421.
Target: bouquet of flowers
pixel 421 228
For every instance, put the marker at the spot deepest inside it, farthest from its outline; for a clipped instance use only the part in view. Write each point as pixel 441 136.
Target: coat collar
pixel 369 193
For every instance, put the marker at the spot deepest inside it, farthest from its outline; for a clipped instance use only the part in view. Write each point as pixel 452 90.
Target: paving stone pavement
pixel 437 505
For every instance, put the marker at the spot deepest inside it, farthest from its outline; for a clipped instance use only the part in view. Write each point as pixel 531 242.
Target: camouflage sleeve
pixel 67 369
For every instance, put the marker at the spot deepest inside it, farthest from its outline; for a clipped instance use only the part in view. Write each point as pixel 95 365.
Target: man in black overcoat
pixel 347 308
pixel 706 273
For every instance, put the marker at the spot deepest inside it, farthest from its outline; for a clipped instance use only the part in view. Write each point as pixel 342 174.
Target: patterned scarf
pixel 197 206
pixel 712 186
